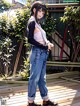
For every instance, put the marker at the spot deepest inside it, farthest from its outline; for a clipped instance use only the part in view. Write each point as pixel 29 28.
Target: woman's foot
pixel 33 104
pixel 49 103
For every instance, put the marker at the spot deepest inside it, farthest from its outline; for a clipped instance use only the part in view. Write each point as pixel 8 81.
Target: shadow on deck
pixel 66 93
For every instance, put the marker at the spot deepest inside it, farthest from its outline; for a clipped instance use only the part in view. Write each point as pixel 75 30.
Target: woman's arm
pixel 31 39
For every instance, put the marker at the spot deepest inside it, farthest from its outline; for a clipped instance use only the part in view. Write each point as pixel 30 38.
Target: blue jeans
pixel 38 60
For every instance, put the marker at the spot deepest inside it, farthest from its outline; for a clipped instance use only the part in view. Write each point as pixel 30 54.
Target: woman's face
pixel 40 14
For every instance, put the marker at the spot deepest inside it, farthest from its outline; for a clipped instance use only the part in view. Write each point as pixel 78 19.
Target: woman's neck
pixel 37 20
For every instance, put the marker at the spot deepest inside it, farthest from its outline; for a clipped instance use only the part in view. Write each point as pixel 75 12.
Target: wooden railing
pixel 65 64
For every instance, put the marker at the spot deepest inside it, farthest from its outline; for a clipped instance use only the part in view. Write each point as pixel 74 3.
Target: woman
pixel 39 53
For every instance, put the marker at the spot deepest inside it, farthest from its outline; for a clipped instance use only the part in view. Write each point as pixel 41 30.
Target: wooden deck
pixel 66 93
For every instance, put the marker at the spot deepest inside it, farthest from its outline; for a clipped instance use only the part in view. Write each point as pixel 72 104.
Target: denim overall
pixel 38 58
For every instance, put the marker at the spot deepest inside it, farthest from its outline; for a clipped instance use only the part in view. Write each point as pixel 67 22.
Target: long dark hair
pixel 38 5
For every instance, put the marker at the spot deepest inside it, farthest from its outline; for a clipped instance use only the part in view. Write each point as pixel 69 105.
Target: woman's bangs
pixel 42 7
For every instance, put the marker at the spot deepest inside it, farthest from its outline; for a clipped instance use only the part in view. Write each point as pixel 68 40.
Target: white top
pixel 41 35
pixel 38 37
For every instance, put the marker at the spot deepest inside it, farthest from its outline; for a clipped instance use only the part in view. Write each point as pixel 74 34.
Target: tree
pixel 4 5
pixel 15 26
pixel 72 19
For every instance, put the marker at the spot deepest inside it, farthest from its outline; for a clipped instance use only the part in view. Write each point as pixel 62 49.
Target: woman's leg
pixel 35 70
pixel 42 81
pixel 43 88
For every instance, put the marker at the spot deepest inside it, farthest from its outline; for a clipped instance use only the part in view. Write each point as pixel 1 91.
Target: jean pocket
pixel 38 54
pixel 47 52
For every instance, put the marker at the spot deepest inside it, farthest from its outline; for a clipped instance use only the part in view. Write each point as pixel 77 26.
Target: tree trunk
pixel 17 58
pixel 6 69
pixel 76 52
pixel 18 54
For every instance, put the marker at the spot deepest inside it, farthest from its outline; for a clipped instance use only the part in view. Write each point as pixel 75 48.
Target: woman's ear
pixel 34 10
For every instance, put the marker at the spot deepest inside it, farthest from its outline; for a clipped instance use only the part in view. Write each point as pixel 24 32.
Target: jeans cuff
pixel 45 97
pixel 31 98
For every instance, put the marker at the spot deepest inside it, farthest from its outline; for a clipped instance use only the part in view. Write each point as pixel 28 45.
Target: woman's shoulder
pixel 31 19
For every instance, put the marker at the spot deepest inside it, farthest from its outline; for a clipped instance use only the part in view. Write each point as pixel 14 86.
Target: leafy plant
pixel 72 19
pixel 4 5
pixel 49 25
pixel 15 25
pixel 6 52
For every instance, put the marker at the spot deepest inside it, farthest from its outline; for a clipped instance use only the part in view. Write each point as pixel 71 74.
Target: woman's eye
pixel 40 11
pixel 43 13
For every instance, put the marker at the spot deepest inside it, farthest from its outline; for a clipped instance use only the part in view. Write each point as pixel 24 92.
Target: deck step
pixel 66 93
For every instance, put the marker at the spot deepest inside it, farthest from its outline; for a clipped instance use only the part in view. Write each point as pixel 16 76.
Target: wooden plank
pixel 49 77
pixel 70 79
pixel 54 62
pixel 65 64
pixel 58 75
pixel 16 88
pixel 66 93
pixel 63 92
pixel 62 5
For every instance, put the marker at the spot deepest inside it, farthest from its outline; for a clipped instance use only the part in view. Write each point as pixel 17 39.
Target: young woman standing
pixel 38 57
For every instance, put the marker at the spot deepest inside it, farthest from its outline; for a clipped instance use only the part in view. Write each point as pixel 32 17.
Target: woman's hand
pixel 50 45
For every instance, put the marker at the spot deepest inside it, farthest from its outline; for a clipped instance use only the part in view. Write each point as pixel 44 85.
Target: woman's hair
pixel 38 5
